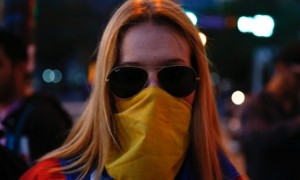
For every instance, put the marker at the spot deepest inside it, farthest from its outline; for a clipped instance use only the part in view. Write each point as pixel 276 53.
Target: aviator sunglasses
pixel 127 81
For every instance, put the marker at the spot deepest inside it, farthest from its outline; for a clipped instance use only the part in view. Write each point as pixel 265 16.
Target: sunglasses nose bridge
pixel 152 78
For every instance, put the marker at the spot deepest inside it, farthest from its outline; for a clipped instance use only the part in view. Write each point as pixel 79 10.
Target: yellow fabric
pixel 153 130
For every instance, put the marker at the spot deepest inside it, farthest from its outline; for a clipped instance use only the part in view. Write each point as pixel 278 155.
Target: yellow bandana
pixel 153 130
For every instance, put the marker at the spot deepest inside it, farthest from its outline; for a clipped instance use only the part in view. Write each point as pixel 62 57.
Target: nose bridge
pixel 153 79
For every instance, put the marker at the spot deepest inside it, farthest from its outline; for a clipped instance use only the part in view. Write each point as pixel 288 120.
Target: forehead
pixel 153 44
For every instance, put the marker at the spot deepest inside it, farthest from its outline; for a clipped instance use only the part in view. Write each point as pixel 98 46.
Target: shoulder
pixel 43 101
pixel 47 108
pixel 44 170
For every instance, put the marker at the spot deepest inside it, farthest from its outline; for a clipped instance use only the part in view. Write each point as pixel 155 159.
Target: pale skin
pixel 149 45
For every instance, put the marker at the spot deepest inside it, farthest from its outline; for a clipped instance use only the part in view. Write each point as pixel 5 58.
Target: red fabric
pixel 42 171
pixel 239 178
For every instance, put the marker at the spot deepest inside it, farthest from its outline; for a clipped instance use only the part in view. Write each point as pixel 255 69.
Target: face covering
pixel 153 131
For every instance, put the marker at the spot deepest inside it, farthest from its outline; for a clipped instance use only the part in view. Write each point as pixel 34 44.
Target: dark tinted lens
pixel 125 82
pixel 179 81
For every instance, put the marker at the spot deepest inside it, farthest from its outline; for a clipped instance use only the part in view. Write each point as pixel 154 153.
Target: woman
pixel 152 112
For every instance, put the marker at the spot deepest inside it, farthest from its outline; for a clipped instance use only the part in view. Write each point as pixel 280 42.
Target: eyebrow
pixel 165 62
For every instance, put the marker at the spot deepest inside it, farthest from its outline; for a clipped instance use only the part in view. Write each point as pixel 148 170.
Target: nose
pixel 152 78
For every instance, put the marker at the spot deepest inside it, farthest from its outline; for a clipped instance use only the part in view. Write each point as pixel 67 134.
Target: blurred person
pixel 271 122
pixel 31 123
pixel 151 113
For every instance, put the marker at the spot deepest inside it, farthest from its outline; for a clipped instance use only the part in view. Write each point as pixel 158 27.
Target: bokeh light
pixel 238 97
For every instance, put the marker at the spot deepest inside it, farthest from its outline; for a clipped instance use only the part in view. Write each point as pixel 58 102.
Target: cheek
pixel 116 99
pixel 190 98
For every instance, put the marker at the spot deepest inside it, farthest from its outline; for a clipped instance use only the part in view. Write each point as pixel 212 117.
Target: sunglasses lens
pixel 125 82
pixel 179 81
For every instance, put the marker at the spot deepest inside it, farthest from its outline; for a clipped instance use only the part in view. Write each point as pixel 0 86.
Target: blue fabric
pixel 186 172
pixel 228 170
pixel 76 175
pixel 72 176
pixel 13 138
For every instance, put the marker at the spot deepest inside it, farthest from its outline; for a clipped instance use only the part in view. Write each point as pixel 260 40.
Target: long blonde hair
pixel 90 138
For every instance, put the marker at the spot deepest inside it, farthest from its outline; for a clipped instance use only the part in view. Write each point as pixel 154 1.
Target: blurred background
pixel 242 37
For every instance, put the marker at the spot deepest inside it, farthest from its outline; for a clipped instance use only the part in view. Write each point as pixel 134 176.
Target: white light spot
pixel 238 97
pixel 259 25
pixel 203 38
pixel 192 17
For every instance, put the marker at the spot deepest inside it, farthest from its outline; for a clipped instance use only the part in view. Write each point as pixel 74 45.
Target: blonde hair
pixel 91 137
